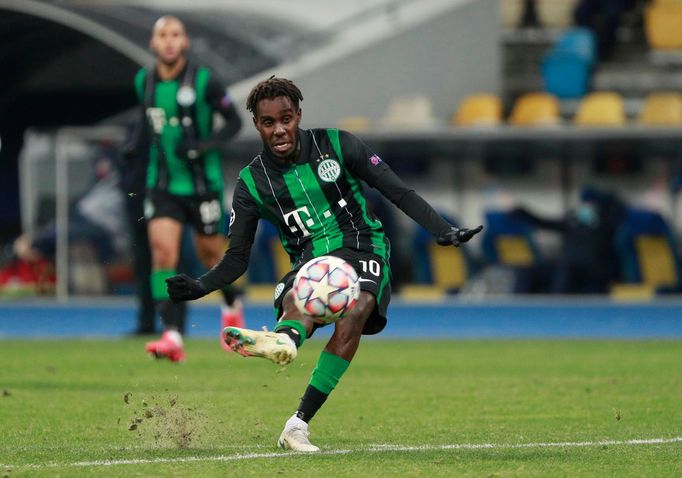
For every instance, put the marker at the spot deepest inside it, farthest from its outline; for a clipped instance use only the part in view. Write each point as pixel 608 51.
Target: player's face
pixel 277 122
pixel 169 41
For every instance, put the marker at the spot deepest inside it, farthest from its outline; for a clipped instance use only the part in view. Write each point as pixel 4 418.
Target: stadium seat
pixel 556 13
pixel 510 12
pixel 565 75
pixel 481 109
pixel 535 109
pixel 410 111
pixel 602 108
pixel 661 109
pixel 580 42
pixel 507 241
pixel 354 124
pixel 662 22
pixel 647 250
pixel 508 245
pixel 446 268
pixel 566 68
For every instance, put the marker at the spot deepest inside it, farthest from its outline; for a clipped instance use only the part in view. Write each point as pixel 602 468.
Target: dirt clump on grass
pixel 164 421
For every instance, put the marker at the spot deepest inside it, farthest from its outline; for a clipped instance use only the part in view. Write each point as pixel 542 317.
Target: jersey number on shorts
pixel 210 211
pixel 372 266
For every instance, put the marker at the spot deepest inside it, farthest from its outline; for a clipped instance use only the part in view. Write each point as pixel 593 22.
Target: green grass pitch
pixel 492 408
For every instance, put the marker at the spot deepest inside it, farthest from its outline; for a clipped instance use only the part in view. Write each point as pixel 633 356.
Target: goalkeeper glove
pixel 456 236
pixel 182 287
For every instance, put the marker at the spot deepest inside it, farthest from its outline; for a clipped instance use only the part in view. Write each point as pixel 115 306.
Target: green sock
pixel 328 371
pixel 158 281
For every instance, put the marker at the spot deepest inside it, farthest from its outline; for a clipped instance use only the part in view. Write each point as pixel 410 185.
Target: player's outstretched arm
pixel 456 236
pixel 182 287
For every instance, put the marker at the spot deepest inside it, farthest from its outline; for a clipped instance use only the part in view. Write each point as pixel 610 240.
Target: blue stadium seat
pixel 648 251
pixel 579 42
pixel 567 66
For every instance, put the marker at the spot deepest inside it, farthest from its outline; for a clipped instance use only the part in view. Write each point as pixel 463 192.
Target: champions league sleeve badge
pixel 186 96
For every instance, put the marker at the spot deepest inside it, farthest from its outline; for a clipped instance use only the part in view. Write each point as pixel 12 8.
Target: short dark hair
pixel 272 88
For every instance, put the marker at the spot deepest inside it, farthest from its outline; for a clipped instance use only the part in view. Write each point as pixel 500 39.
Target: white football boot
pixel 294 437
pixel 278 348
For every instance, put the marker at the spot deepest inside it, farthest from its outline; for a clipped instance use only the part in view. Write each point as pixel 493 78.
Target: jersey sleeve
pixel 369 167
pixel 243 223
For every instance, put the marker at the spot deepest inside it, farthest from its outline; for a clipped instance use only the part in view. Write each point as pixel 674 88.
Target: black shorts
pixel 375 278
pixel 204 213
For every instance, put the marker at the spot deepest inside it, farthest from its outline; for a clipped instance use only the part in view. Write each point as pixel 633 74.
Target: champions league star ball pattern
pixel 325 288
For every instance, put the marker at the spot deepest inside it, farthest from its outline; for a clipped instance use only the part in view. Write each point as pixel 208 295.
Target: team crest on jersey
pixel 329 170
pixel 186 96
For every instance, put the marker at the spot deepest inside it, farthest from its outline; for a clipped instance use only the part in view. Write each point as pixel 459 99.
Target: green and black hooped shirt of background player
pixel 178 116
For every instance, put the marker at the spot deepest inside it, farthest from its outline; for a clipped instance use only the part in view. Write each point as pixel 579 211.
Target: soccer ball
pixel 325 288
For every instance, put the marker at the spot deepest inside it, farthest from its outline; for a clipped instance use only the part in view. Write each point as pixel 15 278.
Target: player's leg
pixel 331 365
pixel 367 317
pixel 164 242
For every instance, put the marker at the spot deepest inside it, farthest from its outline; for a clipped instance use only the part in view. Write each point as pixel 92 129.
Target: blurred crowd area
pixel 573 167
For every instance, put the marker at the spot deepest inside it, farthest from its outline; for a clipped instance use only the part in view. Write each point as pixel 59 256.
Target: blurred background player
pixel 319 208
pixel 184 176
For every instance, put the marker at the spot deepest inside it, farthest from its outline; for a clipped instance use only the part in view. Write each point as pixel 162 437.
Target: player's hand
pixel 456 236
pixel 187 150
pixel 182 287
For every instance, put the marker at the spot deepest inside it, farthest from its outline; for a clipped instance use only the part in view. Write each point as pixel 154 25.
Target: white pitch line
pixel 379 448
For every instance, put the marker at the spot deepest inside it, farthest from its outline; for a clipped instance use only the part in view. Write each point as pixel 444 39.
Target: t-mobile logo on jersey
pixel 157 119
pixel 301 219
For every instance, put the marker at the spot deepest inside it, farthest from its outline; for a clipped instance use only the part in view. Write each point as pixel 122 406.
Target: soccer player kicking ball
pixel 307 183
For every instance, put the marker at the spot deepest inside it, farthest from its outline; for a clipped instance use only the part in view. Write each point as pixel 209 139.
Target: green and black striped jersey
pixel 316 203
pixel 163 123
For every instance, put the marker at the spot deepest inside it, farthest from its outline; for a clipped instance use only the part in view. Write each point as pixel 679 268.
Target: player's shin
pixel 324 379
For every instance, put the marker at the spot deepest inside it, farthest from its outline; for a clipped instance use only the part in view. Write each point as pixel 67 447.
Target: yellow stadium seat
pixel 510 12
pixel 354 123
pixel 656 261
pixel 661 109
pixel 448 266
pixel 535 109
pixel 602 108
pixel 410 111
pixel 662 25
pixel 514 250
pixel 482 109
pixel 556 13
